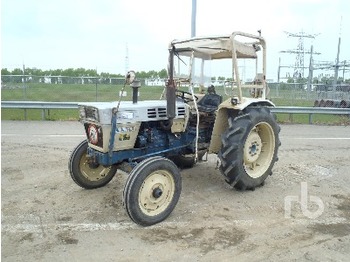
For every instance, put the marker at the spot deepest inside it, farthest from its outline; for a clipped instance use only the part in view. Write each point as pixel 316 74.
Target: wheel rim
pixel 156 192
pixel 91 171
pixel 259 149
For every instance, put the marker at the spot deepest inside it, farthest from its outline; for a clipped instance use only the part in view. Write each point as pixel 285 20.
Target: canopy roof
pixel 216 47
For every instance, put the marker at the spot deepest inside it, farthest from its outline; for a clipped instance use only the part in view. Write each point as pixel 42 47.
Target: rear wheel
pixel 249 148
pixel 85 172
pixel 152 191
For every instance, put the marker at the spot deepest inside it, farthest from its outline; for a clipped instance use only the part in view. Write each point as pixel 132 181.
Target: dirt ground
pixel 301 213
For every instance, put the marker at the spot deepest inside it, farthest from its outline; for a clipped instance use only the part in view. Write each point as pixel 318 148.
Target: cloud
pixel 90 33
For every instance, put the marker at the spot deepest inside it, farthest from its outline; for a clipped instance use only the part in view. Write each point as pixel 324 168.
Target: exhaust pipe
pixel 136 84
pixel 170 87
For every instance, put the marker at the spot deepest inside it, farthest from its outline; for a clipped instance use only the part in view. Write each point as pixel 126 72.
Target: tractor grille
pixel 152 113
pixel 160 112
pixel 181 111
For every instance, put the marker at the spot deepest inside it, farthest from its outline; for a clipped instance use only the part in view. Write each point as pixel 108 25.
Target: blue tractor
pixel 152 140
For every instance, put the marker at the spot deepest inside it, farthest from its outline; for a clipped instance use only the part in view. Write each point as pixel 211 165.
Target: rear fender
pixel 221 120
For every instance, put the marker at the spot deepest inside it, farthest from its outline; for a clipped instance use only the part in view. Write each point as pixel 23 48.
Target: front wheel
pixel 249 148
pixel 87 173
pixel 152 191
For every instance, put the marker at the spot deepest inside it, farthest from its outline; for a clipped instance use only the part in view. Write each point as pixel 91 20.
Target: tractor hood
pixel 152 110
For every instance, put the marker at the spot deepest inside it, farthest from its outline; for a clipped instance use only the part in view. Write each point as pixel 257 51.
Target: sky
pixel 96 34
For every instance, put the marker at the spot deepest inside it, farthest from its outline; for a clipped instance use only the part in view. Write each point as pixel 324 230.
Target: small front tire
pixel 152 191
pixel 85 173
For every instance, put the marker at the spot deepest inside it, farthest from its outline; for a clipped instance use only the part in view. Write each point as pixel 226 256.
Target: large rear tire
pixel 152 191
pixel 249 148
pixel 85 173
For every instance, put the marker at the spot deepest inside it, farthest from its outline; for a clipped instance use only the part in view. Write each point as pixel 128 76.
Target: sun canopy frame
pixel 218 47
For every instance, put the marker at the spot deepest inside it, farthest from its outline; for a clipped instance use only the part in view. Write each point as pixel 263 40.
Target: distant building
pixel 154 82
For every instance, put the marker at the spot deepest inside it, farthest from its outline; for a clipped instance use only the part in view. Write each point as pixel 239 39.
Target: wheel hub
pixel 157 192
pixel 252 148
pixel 92 170
pixel 93 165
pixel 259 149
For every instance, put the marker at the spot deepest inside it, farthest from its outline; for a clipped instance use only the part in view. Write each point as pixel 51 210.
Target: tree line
pixel 79 72
pixel 82 72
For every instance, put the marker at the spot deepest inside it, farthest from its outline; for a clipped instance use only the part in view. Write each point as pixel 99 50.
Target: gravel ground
pixel 301 213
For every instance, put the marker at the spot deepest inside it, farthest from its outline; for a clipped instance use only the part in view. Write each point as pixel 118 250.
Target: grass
pixel 316 119
pixel 36 114
pixel 104 93
pixel 74 93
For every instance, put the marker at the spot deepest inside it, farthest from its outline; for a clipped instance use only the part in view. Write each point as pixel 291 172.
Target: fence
pixel 47 106
pixel 71 89
pixel 63 89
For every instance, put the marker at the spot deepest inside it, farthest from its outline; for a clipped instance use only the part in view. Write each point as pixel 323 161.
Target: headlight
pixel 92 113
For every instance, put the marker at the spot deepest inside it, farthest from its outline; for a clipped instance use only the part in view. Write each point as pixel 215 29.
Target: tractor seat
pixel 209 103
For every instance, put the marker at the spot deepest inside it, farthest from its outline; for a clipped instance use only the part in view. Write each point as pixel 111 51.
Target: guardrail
pixel 38 105
pixel 74 105
pixel 310 111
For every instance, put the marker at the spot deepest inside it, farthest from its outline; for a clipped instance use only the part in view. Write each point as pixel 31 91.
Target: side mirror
pixel 130 77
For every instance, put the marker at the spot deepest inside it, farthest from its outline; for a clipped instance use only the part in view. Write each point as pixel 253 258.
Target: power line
pixel 300 52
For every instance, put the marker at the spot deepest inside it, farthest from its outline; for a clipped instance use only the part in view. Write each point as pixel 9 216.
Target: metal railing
pixel 74 105
pixel 38 105
pixel 310 111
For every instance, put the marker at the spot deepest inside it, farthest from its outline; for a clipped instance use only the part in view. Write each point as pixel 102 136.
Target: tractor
pixel 153 140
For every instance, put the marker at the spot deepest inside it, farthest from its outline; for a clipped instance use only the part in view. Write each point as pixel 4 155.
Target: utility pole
pixel 193 18
pixel 336 68
pixel 311 70
pixel 24 83
pixel 96 91
pixel 193 34
pixel 126 58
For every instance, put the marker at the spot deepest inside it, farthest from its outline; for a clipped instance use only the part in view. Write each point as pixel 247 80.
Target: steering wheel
pixel 181 94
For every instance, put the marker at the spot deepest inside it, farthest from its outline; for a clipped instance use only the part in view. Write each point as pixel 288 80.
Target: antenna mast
pixel 126 59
